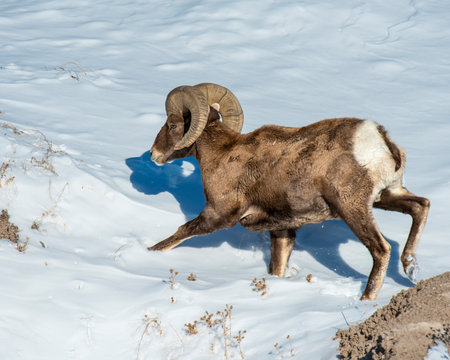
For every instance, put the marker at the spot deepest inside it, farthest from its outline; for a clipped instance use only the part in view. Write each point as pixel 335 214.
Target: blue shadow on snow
pixel 182 179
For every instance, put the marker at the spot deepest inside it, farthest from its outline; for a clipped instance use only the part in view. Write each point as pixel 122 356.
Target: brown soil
pixel 406 327
pixel 7 230
pixel 11 232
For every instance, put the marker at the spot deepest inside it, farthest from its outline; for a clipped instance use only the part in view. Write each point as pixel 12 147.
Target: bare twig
pixel 74 73
pixel 345 319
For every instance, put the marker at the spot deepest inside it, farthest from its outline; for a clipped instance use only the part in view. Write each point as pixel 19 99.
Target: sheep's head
pixel 188 108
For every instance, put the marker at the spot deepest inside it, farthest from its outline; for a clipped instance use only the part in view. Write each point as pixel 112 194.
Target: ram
pixel 278 179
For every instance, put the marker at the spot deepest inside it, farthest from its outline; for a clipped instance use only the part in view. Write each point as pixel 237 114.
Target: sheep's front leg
pixel 207 222
pixel 282 243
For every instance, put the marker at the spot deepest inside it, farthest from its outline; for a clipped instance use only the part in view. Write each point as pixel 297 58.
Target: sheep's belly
pixel 258 219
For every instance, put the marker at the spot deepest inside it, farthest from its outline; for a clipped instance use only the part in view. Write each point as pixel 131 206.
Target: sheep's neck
pixel 214 140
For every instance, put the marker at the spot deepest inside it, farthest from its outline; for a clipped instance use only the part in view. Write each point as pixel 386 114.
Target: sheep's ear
pixel 216 107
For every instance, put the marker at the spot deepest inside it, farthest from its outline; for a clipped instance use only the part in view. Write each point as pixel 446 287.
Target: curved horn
pixel 188 98
pixel 230 109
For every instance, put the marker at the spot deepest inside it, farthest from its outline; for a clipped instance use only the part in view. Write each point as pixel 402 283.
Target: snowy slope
pixel 82 90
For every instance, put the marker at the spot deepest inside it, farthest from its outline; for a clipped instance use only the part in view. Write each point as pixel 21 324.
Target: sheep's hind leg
pixel 207 222
pixel 402 200
pixel 282 243
pixel 365 228
pixel 360 220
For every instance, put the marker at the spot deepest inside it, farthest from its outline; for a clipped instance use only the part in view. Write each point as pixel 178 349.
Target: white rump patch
pixel 369 148
pixel 372 153
pixel 216 106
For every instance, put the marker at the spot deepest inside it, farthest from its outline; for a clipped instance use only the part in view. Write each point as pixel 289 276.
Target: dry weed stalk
pixel 225 319
pixel 212 321
pixel 73 69
pixel 192 328
pixel 4 179
pixel 149 322
pixel 44 162
pixel 12 128
pixel 40 141
pixel 51 212
pixel 239 337
pixel 208 319
pixel 260 286
pixel 192 277
pixel 172 276
pixel 277 347
pixel 291 349
pixel 22 247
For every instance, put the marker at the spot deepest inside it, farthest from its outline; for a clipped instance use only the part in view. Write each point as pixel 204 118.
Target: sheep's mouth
pixel 158 159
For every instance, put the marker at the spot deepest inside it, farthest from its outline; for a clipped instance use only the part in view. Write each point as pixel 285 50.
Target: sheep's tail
pixel 393 148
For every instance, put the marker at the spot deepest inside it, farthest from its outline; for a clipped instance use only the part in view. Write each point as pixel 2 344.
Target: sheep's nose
pixel 155 157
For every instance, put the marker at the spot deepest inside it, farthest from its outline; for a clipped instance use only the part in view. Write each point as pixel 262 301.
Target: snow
pixel 438 352
pixel 82 96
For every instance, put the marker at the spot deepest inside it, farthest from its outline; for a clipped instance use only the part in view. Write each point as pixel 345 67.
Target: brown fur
pixel 278 179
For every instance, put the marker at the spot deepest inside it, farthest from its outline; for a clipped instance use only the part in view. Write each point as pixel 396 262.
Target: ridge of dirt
pixel 413 321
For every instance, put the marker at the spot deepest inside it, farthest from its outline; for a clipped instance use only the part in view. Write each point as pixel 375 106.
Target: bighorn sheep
pixel 278 179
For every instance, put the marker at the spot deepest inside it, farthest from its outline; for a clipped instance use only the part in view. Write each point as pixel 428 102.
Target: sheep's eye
pixel 172 127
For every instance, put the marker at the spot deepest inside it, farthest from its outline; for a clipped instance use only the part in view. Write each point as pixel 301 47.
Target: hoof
pixel 411 268
pixel 368 297
pixel 276 272
pixel 412 271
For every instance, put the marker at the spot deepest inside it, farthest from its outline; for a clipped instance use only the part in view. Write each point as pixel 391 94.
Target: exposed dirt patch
pixel 7 230
pixel 406 327
pixel 10 231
